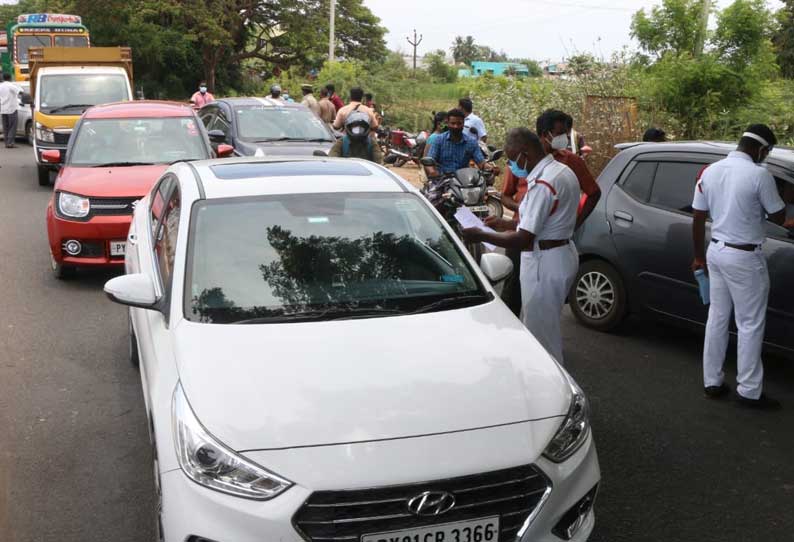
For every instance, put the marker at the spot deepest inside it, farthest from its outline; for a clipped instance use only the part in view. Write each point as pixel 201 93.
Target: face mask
pixel 203 90
pixel 560 142
pixel 518 172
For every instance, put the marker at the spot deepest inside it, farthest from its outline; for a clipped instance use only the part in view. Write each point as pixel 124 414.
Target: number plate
pixel 118 248
pixel 475 530
pixel 479 209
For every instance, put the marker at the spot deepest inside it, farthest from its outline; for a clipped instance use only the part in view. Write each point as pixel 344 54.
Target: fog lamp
pixel 574 518
pixel 72 247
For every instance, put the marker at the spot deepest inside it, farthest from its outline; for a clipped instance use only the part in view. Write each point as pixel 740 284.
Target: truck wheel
pixel 44 176
pixel 598 296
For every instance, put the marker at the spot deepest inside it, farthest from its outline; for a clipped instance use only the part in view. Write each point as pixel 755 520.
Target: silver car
pixel 25 114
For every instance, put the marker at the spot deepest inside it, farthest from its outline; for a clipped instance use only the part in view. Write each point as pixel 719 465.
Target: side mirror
pixel 224 150
pixel 428 161
pixel 51 156
pixel 217 136
pixel 135 290
pixel 497 267
pixel 320 152
pixel 26 99
pixel 497 155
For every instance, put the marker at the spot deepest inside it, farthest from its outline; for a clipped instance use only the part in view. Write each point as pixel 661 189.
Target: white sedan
pixel 322 360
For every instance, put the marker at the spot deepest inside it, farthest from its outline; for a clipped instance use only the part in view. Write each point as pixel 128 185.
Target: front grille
pixel 112 206
pixel 512 494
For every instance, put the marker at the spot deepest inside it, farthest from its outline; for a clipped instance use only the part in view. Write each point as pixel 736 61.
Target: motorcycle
pixel 466 187
pixel 405 147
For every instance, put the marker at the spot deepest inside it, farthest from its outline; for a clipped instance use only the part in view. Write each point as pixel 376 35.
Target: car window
pixel 207 116
pixel 674 185
pixel 220 123
pixel 165 245
pixel 259 123
pixel 639 180
pixel 157 205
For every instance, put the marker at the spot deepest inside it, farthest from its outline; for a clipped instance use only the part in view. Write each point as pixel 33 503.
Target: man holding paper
pixel 549 261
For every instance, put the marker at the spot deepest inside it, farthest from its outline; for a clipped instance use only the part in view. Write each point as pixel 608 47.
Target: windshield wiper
pixel 68 106
pixel 302 139
pixel 124 164
pixel 450 302
pixel 335 313
pixel 183 160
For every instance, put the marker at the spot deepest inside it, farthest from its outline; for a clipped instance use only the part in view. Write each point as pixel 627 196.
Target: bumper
pixel 94 235
pixel 192 510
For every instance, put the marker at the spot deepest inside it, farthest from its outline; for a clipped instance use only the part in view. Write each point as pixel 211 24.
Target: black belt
pixel 548 244
pixel 746 248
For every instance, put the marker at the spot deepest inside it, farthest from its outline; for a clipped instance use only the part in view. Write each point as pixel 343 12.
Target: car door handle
pixel 622 215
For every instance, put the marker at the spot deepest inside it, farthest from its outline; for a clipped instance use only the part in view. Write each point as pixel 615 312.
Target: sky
pixel 537 29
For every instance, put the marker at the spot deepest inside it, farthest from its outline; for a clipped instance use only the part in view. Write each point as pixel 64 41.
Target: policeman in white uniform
pixel 549 261
pixel 739 195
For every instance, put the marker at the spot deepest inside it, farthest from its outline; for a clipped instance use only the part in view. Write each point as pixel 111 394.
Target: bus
pixel 39 30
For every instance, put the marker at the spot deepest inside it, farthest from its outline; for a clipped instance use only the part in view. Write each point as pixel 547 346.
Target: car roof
pixel 138 109
pixel 274 175
pixel 782 155
pixel 260 102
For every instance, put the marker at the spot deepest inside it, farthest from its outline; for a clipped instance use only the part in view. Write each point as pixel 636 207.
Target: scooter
pixel 405 147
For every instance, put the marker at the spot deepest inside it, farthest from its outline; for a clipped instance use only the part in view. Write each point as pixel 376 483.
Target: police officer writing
pixel 547 219
pixel 738 194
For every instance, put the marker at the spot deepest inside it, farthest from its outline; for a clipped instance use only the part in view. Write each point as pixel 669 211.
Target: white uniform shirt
pixel 737 193
pixel 473 121
pixel 9 97
pixel 549 207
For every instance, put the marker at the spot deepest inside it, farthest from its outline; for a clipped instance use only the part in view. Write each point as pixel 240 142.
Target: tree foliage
pixel 464 50
pixel 783 38
pixel 438 68
pixel 672 27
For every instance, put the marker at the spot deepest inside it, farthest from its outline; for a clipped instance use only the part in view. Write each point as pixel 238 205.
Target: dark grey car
pixel 266 127
pixel 636 247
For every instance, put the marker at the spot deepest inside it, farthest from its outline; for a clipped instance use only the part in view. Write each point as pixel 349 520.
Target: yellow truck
pixel 64 82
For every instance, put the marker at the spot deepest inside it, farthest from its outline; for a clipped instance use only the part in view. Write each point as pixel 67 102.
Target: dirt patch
pixel 410 173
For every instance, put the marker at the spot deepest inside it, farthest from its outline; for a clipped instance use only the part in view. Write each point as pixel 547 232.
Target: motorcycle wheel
pixel 495 207
pixel 400 162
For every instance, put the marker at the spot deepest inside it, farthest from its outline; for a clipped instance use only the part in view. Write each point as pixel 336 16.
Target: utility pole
pixel 703 28
pixel 331 33
pixel 415 44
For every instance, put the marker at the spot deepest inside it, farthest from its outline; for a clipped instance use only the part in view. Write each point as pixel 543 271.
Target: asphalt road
pixel 75 463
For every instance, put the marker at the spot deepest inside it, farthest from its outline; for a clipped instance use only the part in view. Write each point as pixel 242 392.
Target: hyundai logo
pixel 431 503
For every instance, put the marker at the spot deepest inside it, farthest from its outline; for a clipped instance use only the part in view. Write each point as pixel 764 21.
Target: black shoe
pixel 762 403
pixel 716 392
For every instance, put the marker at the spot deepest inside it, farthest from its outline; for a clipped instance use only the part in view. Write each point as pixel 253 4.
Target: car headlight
pixel 73 205
pixel 208 462
pixel 44 134
pixel 574 429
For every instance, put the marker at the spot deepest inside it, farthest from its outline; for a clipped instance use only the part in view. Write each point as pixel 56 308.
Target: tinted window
pixel 165 248
pixel 639 180
pixel 674 185
pixel 157 206
pixel 318 255
pixel 206 117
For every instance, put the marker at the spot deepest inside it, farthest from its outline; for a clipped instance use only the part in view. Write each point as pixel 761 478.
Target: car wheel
pixel 135 360
pixel 29 133
pixel 44 176
pixel 598 297
pixel 61 271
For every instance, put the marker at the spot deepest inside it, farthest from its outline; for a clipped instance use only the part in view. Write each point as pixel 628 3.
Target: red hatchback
pixel 115 155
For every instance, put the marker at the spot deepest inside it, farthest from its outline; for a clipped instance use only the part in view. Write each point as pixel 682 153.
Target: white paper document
pixel 467 219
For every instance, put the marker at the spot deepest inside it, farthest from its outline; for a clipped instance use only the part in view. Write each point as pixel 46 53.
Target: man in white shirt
pixel 472 123
pixel 549 261
pixel 9 105
pixel 739 195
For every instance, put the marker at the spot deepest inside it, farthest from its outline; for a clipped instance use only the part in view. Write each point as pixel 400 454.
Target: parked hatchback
pixel 115 154
pixel 322 360
pixel 636 248
pixel 266 127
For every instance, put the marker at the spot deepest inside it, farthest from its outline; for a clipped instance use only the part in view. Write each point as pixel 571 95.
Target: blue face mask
pixel 518 172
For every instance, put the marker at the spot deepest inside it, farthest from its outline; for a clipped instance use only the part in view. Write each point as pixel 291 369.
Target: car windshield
pixel 322 256
pixel 68 94
pixel 137 140
pixel 24 43
pixel 71 41
pixel 261 123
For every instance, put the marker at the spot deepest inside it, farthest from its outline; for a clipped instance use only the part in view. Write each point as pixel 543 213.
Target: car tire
pixel 29 133
pixel 134 356
pixel 61 271
pixel 44 176
pixel 598 296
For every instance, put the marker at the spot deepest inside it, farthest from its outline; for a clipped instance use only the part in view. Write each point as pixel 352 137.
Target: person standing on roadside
pixel 327 109
pixel 472 123
pixel 356 95
pixel 201 97
pixel 309 100
pixel 739 195
pixel 9 109
pixel 335 99
pixel 549 260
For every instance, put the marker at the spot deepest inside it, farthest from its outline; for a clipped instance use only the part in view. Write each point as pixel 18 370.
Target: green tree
pixel 744 34
pixel 672 27
pixel 783 38
pixel 439 69
pixel 464 50
pixel 581 64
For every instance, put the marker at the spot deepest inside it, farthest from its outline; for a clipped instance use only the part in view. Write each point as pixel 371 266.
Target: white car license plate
pixel 118 248
pixel 479 209
pixel 475 530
